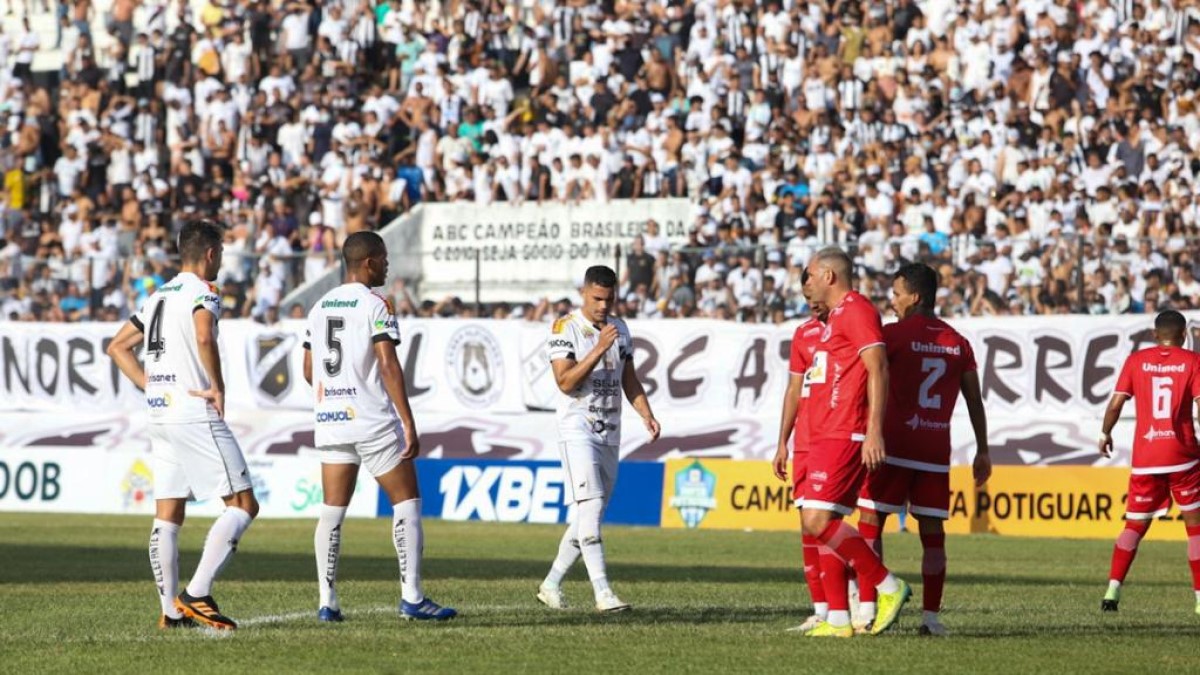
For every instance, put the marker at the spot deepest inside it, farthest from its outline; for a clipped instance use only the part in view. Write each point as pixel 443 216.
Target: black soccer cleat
pixel 167 623
pixel 1108 605
pixel 204 611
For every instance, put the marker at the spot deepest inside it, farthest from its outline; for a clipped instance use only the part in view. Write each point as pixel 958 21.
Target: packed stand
pixel 1040 154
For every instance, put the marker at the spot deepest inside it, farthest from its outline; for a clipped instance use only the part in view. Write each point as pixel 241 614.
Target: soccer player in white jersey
pixel 363 417
pixel 193 453
pixel 591 354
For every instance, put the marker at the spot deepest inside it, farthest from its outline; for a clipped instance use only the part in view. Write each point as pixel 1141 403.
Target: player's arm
pixel 973 396
pixel 570 373
pixel 209 351
pixel 1111 414
pixel 874 359
pixel 308 366
pixel 636 395
pixel 120 350
pixel 787 420
pixel 393 382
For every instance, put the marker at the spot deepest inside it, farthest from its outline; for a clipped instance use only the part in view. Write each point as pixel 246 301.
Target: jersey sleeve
pixel 208 299
pixel 307 336
pixel 384 327
pixel 139 319
pixel 624 341
pixel 968 359
pixel 864 328
pixel 796 360
pixel 1195 390
pixel 561 343
pixel 1125 379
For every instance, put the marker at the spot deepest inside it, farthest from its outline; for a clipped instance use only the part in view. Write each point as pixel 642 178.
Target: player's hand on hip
pixel 779 464
pixel 872 452
pixel 412 445
pixel 1106 445
pixel 653 428
pixel 982 469
pixel 215 397
pixel 608 335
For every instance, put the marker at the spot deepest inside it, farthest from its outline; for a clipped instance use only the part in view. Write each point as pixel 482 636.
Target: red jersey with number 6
pixel 837 406
pixel 926 355
pixel 805 342
pixel 1163 382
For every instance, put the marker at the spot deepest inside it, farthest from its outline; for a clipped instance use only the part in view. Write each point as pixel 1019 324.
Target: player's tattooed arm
pixel 636 395
pixel 393 382
pixel 1111 415
pixel 120 350
pixel 787 420
pixel 875 361
pixel 972 395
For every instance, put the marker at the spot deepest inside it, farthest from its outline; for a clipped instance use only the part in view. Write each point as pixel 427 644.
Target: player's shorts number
pixel 333 364
pixel 934 369
pixel 154 340
pixel 1162 397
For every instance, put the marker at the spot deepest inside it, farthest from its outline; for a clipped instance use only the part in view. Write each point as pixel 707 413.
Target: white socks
pixel 164 562
pixel 328 544
pixel 588 516
pixel 568 553
pixel 866 611
pixel 839 617
pixel 821 609
pixel 888 585
pixel 219 547
pixel 408 537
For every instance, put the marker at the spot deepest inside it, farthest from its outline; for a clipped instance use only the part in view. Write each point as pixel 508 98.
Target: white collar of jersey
pixel 578 314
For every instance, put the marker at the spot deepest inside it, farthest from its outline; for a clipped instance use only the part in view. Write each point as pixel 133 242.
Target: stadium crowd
pixel 1041 154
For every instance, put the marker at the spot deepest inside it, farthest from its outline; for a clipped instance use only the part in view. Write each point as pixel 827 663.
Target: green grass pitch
pixel 76 596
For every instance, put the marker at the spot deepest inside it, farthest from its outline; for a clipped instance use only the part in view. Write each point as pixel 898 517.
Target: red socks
pixel 1126 548
pixel 933 570
pixel 849 544
pixel 812 568
pixel 871 534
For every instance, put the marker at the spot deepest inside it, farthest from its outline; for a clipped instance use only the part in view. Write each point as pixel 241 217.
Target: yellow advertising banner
pixel 1075 501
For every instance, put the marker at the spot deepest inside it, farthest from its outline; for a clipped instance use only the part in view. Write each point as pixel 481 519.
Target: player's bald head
pixel 836 260
pixel 360 246
pixel 1170 327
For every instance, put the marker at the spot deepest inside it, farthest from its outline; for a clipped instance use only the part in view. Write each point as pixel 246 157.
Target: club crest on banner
pixel 475 366
pixel 270 374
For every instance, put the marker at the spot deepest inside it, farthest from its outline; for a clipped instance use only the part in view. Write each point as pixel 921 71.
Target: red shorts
pixel 1150 494
pixel 799 471
pixel 834 475
pixel 887 490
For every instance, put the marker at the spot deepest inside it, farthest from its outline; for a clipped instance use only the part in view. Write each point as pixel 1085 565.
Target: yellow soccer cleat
pixel 826 629
pixel 890 605
pixel 862 626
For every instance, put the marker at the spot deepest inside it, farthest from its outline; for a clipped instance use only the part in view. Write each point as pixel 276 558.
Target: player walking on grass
pixel 591 354
pixel 363 417
pixel 793 423
pixel 193 453
pixel 848 381
pixel 1165 381
pixel 924 353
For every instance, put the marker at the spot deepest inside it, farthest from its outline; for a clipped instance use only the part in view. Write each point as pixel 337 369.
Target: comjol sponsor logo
pixel 159 402
pixel 328 416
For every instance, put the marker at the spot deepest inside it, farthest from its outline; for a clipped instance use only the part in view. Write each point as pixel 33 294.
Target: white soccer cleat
pixel 934 628
pixel 607 602
pixel 551 597
pixel 809 624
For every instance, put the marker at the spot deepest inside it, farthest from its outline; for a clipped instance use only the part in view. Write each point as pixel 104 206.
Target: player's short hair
pixel 837 260
pixel 197 237
pixel 1170 322
pixel 920 278
pixel 362 245
pixel 600 275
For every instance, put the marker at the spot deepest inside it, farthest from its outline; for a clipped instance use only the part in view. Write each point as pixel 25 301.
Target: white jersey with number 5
pixel 351 402
pixel 170 351
pixel 593 411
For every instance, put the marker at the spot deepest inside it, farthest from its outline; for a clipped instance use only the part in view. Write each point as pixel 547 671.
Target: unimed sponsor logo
pixel 511 494
pixel 339 304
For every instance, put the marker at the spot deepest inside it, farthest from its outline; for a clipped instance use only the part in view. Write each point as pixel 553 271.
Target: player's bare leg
pixel 196 600
pixel 337 484
pixel 164 560
pixel 1191 521
pixel 408 536
pixel 933 573
pixel 1124 551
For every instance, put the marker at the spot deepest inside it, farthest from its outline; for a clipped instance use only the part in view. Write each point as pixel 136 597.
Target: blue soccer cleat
pixel 330 615
pixel 426 610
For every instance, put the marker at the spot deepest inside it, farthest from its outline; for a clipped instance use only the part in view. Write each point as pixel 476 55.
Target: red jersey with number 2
pixel 1163 382
pixel 837 406
pixel 805 342
pixel 926 360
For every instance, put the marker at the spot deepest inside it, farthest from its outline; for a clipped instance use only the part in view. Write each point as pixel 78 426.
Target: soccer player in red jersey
pixel 793 424
pixel 924 353
pixel 1164 380
pixel 848 383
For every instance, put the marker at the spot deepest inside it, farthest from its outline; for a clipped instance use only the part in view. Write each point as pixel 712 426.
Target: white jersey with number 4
pixel 593 411
pixel 351 403
pixel 170 351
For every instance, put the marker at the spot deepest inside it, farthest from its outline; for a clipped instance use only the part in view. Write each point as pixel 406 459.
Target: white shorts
pixel 591 469
pixel 196 460
pixel 379 455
